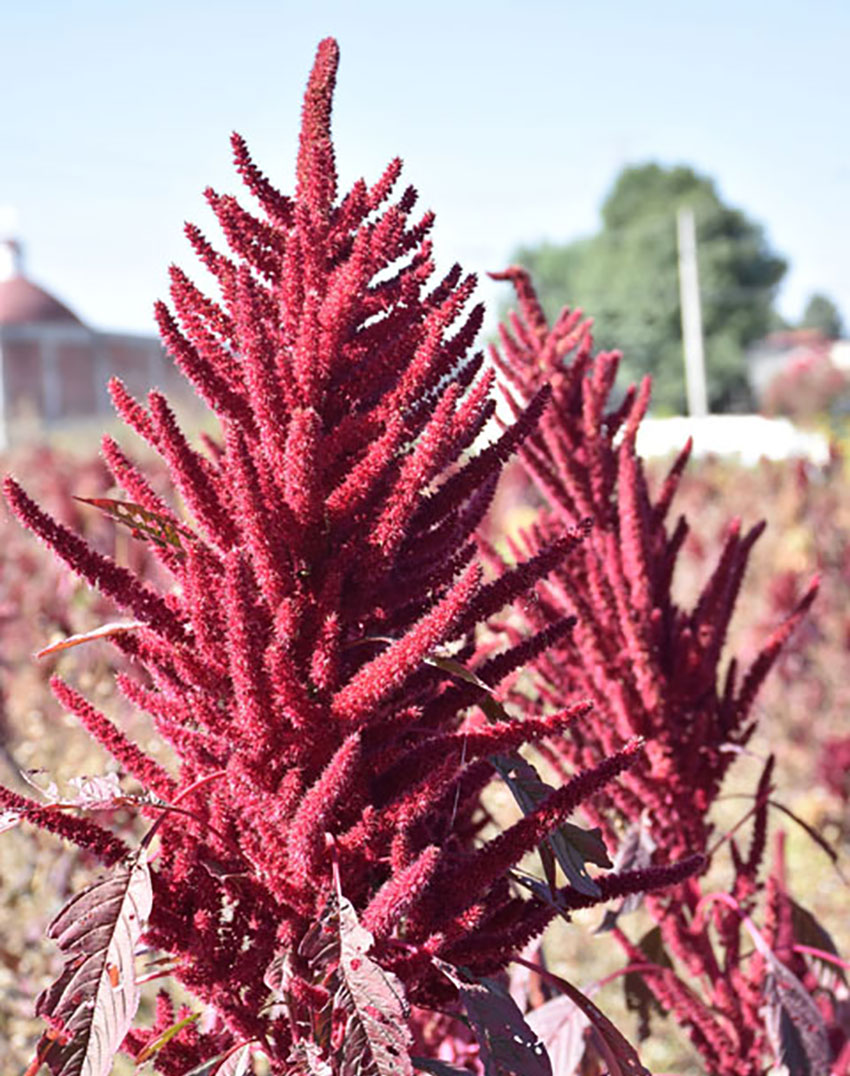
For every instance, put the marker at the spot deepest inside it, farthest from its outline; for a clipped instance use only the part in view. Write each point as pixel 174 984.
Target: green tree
pixel 822 314
pixel 626 277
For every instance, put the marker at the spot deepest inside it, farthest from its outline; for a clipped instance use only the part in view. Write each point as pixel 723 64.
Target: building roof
pixel 22 303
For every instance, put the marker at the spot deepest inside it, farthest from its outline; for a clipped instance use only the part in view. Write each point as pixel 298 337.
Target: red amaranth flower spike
pixel 323 757
pixel 650 667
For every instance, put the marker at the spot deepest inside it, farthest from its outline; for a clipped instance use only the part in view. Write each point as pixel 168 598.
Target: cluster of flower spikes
pixel 651 668
pixel 330 556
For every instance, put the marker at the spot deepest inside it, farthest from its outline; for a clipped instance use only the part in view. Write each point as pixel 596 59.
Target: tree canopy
pixel 626 278
pixel 822 314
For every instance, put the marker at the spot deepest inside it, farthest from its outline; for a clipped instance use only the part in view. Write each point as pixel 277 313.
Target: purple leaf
pixel 560 1025
pixel 507 1045
pixel 92 1004
pixel 572 846
pixel 634 853
pixel 808 931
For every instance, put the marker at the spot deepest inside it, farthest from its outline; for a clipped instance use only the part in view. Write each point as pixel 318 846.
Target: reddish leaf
pixel 808 931
pixel 560 1025
pixel 95 998
pixel 618 1052
pixel 105 631
pixel 507 1045
pixel 377 1036
pixel 376 1039
pixel 795 1026
pixel 234 1062
pixel 146 525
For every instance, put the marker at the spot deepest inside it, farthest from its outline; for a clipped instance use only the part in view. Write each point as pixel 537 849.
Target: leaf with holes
pixel 507 1045
pixel 561 1025
pixel 377 1037
pixel 572 846
pixel 91 1005
pixel 146 525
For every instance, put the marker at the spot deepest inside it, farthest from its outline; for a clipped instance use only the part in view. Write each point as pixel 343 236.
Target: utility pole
pixel 691 314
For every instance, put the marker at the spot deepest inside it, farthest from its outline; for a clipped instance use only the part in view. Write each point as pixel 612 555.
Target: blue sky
pixel 512 118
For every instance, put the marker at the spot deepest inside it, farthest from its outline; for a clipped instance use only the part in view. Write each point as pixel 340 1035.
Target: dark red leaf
pixel 572 846
pixel 94 1000
pixel 507 1045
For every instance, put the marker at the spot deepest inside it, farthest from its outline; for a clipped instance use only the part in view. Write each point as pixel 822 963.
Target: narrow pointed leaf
pixel 808 931
pixel 155 1045
pixel 618 1052
pixel 92 1003
pixel 146 525
pixel 105 631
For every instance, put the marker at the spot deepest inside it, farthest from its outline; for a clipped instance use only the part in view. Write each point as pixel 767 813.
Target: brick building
pixel 53 368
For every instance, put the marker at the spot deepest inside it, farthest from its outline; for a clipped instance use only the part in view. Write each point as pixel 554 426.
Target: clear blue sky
pixel 512 118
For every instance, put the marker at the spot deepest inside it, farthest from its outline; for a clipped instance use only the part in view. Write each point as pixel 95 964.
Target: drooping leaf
pixel 573 847
pixel 560 1025
pixel 634 853
pixel 507 1045
pixel 639 997
pixel 795 1027
pixel 619 1054
pixel 145 525
pixel 819 840
pixel 234 1062
pixel 105 631
pixel 377 1037
pixel 808 931
pixel 794 1024
pixel 91 1005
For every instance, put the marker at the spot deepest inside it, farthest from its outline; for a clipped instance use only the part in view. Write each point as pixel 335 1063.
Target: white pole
pixel 691 314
